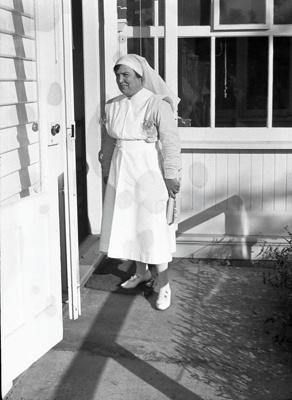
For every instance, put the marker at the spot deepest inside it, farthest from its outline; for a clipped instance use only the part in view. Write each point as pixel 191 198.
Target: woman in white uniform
pixel 140 163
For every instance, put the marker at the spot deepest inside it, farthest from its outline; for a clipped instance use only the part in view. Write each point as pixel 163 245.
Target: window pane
pixel 194 81
pixel 282 12
pixel 161 57
pixel 161 11
pixel 136 12
pixel 143 47
pixel 241 81
pixel 282 90
pixel 147 50
pixel 242 12
pixel 194 12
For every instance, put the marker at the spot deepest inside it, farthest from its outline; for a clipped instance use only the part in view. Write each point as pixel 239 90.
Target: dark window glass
pixel 137 12
pixel 282 12
pixel 194 81
pixel 161 11
pixel 143 47
pixel 242 12
pixel 194 12
pixel 241 81
pixel 282 82
pixel 161 57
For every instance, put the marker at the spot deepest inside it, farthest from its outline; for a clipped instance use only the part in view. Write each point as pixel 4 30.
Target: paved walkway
pixel 210 345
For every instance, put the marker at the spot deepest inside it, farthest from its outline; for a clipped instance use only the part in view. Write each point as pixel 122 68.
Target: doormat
pixel 112 272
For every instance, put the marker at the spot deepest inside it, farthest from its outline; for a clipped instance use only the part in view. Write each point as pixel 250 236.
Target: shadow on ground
pixel 220 335
pixel 210 345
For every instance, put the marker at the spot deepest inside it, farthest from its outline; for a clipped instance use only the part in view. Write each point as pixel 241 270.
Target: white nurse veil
pixel 150 78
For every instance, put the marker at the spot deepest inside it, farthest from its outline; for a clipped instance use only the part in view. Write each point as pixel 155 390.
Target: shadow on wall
pixel 236 223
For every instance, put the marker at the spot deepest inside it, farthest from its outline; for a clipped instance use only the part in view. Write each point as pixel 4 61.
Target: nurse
pixel 140 163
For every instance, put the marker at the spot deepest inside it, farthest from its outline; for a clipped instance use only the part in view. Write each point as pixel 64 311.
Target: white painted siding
pixel 20 172
pixel 218 186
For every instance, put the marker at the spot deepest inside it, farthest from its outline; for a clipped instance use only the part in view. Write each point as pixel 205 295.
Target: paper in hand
pixel 173 210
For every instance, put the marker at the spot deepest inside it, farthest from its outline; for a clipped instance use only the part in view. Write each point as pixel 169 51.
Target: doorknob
pixel 35 126
pixel 55 129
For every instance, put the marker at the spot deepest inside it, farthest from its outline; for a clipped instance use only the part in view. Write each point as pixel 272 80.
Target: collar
pixel 140 97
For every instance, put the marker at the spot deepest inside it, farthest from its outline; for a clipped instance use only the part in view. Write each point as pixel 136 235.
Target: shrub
pixel 280 280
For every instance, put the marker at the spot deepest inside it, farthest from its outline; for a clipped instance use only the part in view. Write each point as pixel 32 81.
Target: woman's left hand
pixel 173 186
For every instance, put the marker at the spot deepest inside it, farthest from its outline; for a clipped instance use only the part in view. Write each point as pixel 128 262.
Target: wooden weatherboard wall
pixel 20 171
pixel 234 200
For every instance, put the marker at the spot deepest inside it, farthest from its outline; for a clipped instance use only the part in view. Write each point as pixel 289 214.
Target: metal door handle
pixel 35 126
pixel 55 129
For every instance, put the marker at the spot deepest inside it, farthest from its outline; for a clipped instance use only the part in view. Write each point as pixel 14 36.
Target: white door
pixel 32 136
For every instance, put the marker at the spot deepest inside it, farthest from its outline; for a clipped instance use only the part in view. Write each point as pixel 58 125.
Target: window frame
pixel 212 137
pixel 234 27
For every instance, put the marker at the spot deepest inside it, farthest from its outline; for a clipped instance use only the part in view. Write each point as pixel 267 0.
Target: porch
pixel 211 344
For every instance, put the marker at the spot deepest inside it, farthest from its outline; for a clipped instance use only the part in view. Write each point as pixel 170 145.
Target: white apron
pixel 134 225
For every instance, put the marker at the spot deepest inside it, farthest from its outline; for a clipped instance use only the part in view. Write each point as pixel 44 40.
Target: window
pixel 143 47
pixel 230 61
pixel 240 14
pixel 194 81
pixel 141 22
pixel 134 16
pixel 241 81
pixel 282 12
pixel 195 12
pixel 282 82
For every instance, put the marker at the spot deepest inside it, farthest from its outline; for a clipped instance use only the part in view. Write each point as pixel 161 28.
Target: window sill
pixel 236 138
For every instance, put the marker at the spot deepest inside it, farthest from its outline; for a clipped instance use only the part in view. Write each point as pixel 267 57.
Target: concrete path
pixel 210 345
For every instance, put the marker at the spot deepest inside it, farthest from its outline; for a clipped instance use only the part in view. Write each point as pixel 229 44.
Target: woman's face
pixel 128 83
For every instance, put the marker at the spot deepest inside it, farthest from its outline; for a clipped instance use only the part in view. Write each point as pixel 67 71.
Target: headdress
pixel 150 78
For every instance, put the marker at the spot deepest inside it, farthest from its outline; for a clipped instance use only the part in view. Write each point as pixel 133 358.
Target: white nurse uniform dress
pixel 134 222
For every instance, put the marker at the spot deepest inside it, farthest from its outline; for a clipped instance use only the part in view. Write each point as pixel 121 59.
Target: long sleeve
pixel 169 138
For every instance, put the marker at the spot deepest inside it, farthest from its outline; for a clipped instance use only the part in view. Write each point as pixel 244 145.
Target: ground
pixel 212 344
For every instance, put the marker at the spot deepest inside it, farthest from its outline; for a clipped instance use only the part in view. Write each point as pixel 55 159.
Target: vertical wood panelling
pixel 261 181
pixel 245 179
pixel 186 184
pixel 210 179
pixel 19 147
pixel 221 180
pixel 289 182
pixel 232 180
pixel 198 181
pixel 268 182
pixel 281 169
pixel 256 200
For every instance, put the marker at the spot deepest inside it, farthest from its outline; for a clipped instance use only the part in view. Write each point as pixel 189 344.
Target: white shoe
pixel 163 301
pixel 135 280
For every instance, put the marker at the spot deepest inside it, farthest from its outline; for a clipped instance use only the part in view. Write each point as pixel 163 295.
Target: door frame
pixel 70 184
pixel 93 76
